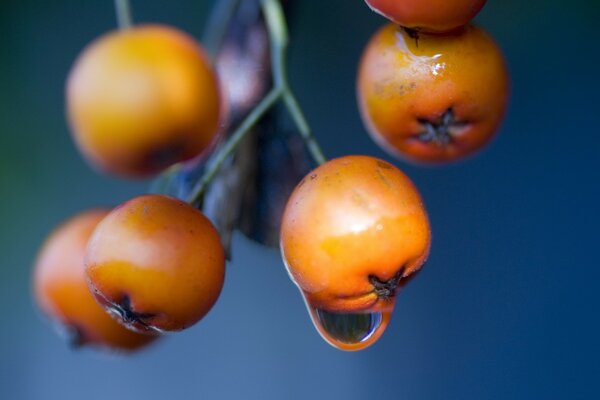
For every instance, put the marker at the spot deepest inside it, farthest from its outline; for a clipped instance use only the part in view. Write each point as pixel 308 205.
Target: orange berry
pixel 353 230
pixel 61 290
pixel 428 15
pixel 142 99
pixel 432 98
pixel 156 263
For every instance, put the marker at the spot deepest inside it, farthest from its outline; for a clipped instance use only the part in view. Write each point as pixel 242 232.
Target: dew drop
pixel 349 328
pixel 349 331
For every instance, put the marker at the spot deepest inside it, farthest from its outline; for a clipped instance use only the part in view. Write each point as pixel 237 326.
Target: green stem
pixel 298 116
pixel 232 143
pixel 276 25
pixel 278 36
pixel 124 18
pixel 217 25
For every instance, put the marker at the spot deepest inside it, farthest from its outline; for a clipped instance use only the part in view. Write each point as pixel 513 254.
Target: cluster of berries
pixel 138 101
pixel 145 98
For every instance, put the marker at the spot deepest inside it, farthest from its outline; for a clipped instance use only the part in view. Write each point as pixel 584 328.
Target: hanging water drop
pixel 349 328
pixel 349 331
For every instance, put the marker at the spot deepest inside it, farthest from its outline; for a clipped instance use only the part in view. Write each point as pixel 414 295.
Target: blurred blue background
pixel 507 306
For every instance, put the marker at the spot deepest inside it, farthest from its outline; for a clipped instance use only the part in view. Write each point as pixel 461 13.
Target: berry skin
pixel 61 290
pixel 142 99
pixel 428 15
pixel 351 233
pixel 156 263
pixel 432 98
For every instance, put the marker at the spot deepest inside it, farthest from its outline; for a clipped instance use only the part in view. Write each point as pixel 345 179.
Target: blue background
pixel 507 306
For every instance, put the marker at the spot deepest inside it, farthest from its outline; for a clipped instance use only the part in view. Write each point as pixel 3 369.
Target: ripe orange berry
pixel 428 15
pixel 61 290
pixel 156 263
pixel 432 98
pixel 352 231
pixel 142 99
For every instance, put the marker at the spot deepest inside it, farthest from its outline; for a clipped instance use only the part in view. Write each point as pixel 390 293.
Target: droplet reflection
pixel 349 331
pixel 349 328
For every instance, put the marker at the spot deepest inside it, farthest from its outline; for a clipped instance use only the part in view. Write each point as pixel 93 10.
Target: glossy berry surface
pixel 351 223
pixel 428 15
pixel 432 98
pixel 156 263
pixel 62 293
pixel 142 99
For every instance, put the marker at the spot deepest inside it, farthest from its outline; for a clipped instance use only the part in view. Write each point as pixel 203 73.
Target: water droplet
pixel 349 331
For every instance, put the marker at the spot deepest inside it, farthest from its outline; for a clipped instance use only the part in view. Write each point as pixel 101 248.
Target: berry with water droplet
pixel 432 98
pixel 156 263
pixel 62 293
pixel 353 230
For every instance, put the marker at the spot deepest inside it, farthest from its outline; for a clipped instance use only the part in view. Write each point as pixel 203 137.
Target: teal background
pixel 507 306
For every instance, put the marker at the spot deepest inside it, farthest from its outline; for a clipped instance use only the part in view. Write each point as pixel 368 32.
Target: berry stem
pixel 124 18
pixel 279 38
pixel 215 163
